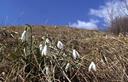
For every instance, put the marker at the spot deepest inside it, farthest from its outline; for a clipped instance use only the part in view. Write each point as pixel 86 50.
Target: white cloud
pixel 107 12
pixel 91 25
pixel 110 10
pixel 94 21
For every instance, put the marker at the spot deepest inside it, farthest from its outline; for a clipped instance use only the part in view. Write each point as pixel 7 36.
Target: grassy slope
pixel 69 36
pixel 107 51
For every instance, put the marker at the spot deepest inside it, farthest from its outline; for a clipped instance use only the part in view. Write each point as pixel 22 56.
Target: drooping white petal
pixel 75 54
pixel 12 35
pixel 92 66
pixel 47 41
pixel 42 37
pixel 60 45
pixel 78 55
pixel 3 73
pixel 25 36
pixel 67 66
pixel 41 47
pixel 25 52
pixel 44 51
pixel 16 32
pixel 47 70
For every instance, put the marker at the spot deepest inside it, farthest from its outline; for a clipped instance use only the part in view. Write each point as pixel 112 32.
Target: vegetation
pixel 22 61
pixel 119 25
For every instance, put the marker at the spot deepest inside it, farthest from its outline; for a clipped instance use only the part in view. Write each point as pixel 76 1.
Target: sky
pixel 76 13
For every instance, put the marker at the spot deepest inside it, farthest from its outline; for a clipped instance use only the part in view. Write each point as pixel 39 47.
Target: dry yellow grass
pixel 109 52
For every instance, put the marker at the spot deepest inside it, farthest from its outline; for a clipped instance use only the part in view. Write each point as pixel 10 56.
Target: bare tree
pixel 124 7
pixel 119 22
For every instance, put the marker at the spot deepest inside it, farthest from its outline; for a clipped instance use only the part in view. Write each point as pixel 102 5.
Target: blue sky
pixel 49 12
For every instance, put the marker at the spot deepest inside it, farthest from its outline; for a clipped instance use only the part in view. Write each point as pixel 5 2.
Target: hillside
pixel 108 52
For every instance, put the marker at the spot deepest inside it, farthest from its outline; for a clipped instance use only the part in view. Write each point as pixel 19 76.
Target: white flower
pixel 75 54
pixel 47 41
pixel 67 66
pixel 16 32
pixel 12 35
pixel 24 51
pixel 44 51
pixel 43 37
pixel 47 70
pixel 25 36
pixel 92 66
pixel 60 45
pixel 3 73
pixel 41 47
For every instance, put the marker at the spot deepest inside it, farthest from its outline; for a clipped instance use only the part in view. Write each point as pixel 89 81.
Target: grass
pixel 107 51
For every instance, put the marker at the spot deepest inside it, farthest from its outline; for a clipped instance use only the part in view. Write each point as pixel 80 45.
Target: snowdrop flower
pixel 43 37
pixel 44 51
pixel 41 47
pixel 47 70
pixel 60 45
pixel 47 41
pixel 25 36
pixel 67 66
pixel 16 32
pixel 3 73
pixel 92 66
pixel 75 54
pixel 12 35
pixel 24 51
